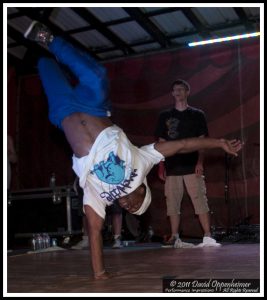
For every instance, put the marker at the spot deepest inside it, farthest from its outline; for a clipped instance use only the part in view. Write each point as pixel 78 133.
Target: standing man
pixel 184 121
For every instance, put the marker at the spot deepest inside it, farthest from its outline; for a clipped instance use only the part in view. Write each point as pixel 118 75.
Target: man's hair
pixel 181 82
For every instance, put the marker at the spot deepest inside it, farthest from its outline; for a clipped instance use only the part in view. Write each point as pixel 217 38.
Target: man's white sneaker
pixel 117 244
pixel 180 244
pixel 208 242
pixel 84 243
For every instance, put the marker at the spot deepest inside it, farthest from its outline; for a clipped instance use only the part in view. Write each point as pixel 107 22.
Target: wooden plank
pixel 139 269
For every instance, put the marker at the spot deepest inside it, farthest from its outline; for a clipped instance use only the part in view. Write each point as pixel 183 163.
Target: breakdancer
pixel 109 166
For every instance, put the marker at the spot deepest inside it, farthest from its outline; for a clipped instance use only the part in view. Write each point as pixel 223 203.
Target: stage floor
pixel 139 268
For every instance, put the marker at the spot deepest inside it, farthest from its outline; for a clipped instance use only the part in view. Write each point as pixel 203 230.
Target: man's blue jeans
pixel 89 96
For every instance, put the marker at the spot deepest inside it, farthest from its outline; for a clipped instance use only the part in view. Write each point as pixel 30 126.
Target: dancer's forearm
pixel 170 148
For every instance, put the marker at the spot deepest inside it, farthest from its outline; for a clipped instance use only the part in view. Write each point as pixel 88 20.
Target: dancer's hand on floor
pixel 105 276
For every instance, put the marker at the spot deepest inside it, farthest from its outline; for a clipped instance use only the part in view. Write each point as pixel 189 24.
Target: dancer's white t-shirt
pixel 113 168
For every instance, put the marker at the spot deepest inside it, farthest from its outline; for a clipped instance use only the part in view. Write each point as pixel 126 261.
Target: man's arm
pixel 199 165
pixel 170 148
pixel 95 224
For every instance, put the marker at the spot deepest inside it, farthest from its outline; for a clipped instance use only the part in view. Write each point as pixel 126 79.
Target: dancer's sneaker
pixel 39 33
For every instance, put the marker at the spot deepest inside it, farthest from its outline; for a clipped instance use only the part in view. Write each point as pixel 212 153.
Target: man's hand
pixel 231 146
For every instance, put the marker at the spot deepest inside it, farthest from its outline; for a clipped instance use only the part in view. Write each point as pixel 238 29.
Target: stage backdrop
pixel 224 81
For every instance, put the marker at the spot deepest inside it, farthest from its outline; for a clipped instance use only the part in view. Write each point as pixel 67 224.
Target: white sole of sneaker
pixel 184 246
pixel 166 246
pixel 209 246
pixel 29 29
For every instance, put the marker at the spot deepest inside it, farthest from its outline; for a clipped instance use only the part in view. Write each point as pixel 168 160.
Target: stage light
pixel 224 39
